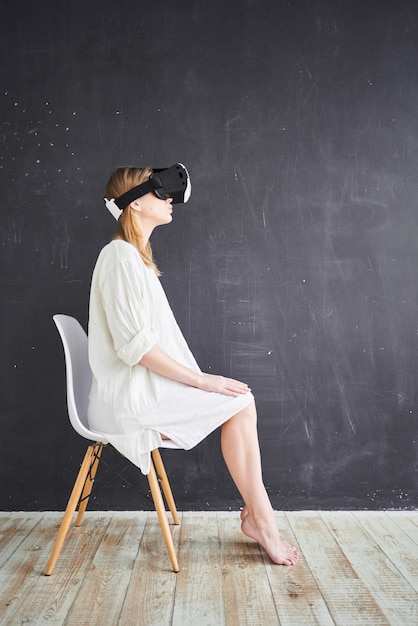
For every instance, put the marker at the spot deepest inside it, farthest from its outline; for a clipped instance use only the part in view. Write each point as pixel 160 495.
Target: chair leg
pixel 88 485
pixel 162 516
pixel 71 507
pixel 162 475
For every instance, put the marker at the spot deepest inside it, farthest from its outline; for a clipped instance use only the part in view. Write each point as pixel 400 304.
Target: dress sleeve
pixel 128 309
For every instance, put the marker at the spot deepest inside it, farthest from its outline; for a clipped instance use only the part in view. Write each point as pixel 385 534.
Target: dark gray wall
pixel 293 267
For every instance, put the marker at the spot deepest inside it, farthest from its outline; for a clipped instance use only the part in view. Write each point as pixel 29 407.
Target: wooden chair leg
pixel 71 507
pixel 162 476
pixel 162 516
pixel 88 485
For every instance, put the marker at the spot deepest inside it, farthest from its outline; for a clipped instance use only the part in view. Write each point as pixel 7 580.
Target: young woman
pixel 147 384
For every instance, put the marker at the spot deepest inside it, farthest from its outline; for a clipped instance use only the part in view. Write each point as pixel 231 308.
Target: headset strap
pixel 134 193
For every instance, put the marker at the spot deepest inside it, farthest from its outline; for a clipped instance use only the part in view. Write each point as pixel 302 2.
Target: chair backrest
pixel 78 374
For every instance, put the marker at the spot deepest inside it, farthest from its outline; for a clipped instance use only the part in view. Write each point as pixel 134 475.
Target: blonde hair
pixel 123 179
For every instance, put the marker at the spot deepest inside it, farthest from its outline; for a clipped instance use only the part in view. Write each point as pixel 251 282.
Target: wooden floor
pixel 356 568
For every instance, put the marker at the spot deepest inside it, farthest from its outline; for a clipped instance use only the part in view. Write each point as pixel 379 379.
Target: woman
pixel 146 383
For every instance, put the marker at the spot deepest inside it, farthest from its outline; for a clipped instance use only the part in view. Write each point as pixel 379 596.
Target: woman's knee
pixel 252 411
pixel 248 413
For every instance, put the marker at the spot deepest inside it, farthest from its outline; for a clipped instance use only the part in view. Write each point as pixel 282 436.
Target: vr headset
pixel 171 182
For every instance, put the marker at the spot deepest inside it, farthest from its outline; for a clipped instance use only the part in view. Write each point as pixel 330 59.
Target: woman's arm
pixel 160 362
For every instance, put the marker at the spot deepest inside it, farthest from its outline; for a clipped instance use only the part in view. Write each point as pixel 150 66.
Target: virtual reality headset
pixel 171 182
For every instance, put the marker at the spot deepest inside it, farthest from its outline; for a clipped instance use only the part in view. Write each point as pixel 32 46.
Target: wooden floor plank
pixel 198 597
pixel 103 591
pixel 294 589
pixel 395 597
pixel 347 598
pixel 28 594
pixel 407 521
pixel 396 544
pixel 247 596
pixel 150 594
pixel 14 528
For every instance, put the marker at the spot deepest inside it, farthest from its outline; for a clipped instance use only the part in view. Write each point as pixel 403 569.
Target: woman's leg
pixel 241 452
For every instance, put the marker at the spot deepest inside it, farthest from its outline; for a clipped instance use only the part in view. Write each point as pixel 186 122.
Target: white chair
pixel 79 376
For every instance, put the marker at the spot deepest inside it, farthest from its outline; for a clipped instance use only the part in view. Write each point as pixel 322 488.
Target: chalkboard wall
pixel 293 266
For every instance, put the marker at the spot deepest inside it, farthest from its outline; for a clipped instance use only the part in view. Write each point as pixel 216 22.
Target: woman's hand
pixel 160 362
pixel 220 384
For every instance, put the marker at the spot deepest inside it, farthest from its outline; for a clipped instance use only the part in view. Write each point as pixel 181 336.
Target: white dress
pixel 130 404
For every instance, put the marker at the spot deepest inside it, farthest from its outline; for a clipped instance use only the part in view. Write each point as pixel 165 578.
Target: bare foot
pixel 279 551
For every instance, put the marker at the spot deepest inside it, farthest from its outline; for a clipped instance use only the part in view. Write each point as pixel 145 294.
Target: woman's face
pixel 152 211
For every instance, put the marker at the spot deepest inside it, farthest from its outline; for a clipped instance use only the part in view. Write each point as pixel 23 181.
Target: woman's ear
pixel 135 205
